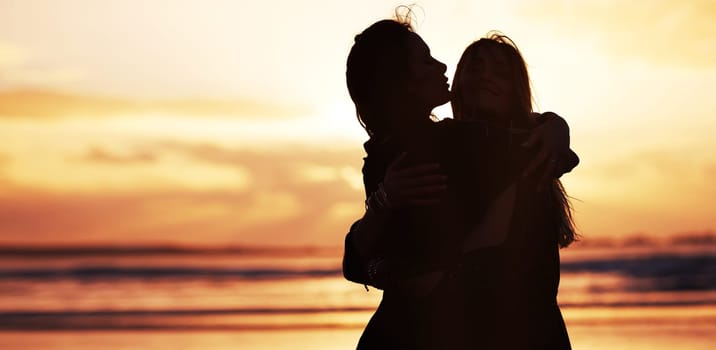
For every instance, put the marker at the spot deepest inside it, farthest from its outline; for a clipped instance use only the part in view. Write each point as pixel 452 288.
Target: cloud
pixel 17 68
pixel 659 191
pixel 113 167
pixel 101 155
pixel 710 170
pixel 268 169
pixel 296 215
pixel 11 56
pixel 287 165
pixel 49 104
pixel 648 178
pixel 5 183
pixel 661 163
pixel 666 32
pixel 302 195
pixel 283 203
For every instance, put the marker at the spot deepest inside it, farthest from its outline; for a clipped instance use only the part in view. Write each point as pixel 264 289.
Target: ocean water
pixel 618 297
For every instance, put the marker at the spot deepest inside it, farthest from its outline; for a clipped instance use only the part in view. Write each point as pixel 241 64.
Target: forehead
pixel 489 51
pixel 417 45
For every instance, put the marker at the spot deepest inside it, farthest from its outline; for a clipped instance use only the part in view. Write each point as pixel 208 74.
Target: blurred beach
pixel 634 295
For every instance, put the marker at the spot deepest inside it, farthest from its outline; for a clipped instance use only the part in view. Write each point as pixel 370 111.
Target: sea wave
pixel 664 272
pixel 43 252
pixel 660 272
pixel 241 319
pixel 111 272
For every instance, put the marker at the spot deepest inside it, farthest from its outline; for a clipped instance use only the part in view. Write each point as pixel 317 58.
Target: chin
pixel 439 102
pixel 484 112
pixel 445 98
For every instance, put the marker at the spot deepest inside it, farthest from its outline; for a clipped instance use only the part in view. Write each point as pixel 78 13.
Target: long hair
pixel 518 73
pixel 377 72
pixel 522 104
pixel 567 232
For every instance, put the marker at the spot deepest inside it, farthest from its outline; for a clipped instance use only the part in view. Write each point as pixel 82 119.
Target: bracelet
pixel 382 197
pixel 373 267
pixel 378 201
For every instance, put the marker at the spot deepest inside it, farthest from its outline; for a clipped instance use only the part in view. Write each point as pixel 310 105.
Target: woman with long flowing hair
pixel 428 185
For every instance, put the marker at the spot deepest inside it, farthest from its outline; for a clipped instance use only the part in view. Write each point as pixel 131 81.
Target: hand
pixel 552 138
pixel 416 185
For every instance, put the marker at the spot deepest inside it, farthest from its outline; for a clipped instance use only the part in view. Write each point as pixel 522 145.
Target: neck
pixel 408 125
pixel 505 119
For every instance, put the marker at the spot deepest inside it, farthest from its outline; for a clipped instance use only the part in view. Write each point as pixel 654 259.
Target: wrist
pixel 378 203
pixel 382 197
pixel 375 277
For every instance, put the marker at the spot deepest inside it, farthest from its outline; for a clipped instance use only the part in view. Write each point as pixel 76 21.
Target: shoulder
pixel 379 154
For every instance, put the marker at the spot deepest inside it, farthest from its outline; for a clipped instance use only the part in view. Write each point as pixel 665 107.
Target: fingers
pixel 427 193
pixel 424 191
pixel 555 121
pixel 424 202
pixel 416 201
pixel 427 190
pixel 419 175
pixel 538 161
pixel 535 136
pixel 415 185
pixel 398 161
pixel 419 170
pixel 396 170
pixel 429 180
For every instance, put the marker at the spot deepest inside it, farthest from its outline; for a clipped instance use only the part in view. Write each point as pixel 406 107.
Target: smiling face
pixel 486 84
pixel 427 84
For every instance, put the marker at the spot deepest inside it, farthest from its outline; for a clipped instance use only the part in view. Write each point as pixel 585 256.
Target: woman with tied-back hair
pixel 428 184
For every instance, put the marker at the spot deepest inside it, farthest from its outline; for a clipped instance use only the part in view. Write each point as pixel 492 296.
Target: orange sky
pixel 215 122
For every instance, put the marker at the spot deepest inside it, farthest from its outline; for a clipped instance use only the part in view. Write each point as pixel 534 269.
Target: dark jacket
pixel 514 282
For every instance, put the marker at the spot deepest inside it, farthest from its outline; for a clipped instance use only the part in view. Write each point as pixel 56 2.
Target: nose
pixel 443 67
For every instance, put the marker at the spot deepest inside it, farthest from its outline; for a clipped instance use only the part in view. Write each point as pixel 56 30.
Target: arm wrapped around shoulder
pixel 353 265
pixel 368 271
pixel 555 156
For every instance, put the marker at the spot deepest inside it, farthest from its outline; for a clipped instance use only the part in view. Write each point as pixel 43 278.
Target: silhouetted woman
pixel 511 264
pixel 426 185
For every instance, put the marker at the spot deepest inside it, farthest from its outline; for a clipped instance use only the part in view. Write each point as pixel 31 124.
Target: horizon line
pixel 707 237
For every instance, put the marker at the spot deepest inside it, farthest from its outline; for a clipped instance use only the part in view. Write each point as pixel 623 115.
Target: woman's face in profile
pixel 486 83
pixel 427 83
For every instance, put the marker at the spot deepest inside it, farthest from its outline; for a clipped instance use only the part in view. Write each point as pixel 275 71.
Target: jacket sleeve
pixel 569 162
pixel 569 159
pixel 366 270
pixel 361 267
pixel 355 269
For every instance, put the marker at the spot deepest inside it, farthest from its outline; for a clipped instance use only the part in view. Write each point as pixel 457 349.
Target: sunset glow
pixel 182 174
pixel 157 117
